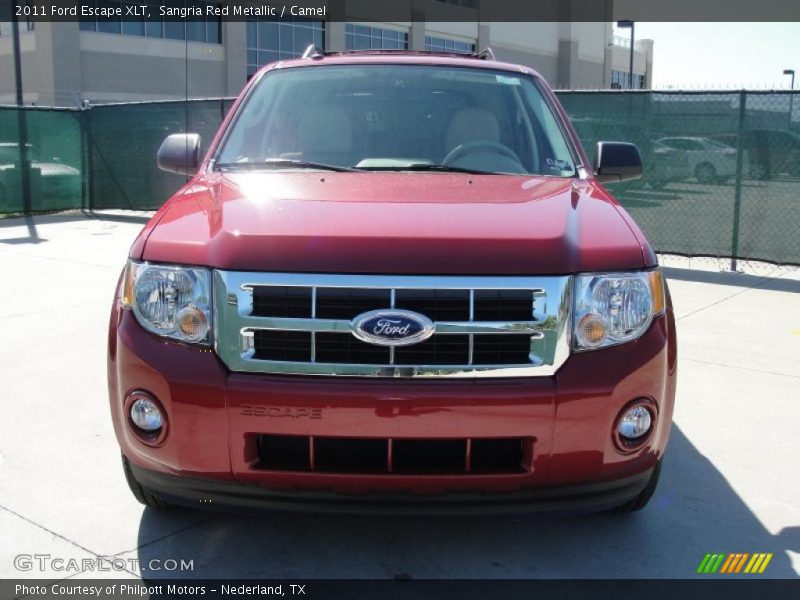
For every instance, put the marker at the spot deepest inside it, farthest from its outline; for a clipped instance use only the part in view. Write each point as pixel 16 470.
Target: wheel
pixel 640 501
pixel 141 494
pixel 759 171
pixel 705 173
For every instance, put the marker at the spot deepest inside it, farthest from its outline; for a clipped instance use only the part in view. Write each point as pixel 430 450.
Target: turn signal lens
pixel 657 290
pixel 192 324
pixel 127 284
pixel 591 331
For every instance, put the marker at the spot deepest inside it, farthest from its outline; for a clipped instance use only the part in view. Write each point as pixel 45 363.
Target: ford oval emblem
pixel 392 327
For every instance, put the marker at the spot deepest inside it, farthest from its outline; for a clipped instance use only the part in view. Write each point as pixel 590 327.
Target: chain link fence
pixel 722 169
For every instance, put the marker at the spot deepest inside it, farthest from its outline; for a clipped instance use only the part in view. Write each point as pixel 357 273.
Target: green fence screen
pixel 722 169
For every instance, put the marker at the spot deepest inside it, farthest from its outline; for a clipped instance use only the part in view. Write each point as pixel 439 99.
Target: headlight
pixel 613 308
pixel 173 302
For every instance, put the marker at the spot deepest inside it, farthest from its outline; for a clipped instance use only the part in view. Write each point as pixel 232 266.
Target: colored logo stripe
pixel 734 563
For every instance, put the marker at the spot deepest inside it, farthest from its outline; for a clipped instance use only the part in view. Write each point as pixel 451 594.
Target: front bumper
pixel 217 495
pixel 207 458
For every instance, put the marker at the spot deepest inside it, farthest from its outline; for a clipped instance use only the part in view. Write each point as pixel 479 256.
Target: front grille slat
pixel 301 324
pixel 344 348
pixel 282 345
pixel 282 301
pixel 436 350
pixel 503 305
pixel 501 349
pixel 348 303
pixel 437 305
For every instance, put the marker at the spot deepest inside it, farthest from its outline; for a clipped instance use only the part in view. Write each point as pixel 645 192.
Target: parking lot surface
pixel 730 480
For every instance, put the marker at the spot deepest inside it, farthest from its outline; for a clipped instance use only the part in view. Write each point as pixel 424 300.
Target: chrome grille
pixel 301 324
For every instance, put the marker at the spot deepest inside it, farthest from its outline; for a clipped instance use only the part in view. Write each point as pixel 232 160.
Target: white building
pixel 107 61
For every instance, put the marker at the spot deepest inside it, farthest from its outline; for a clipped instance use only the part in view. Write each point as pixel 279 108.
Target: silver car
pixel 51 180
pixel 710 161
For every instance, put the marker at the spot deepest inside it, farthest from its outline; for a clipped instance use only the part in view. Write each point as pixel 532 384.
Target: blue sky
pixel 722 55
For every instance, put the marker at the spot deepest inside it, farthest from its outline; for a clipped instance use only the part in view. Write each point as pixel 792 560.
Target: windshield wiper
pixel 446 169
pixel 283 162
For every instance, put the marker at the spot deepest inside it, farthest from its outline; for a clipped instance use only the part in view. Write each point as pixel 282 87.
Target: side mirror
pixel 617 161
pixel 180 153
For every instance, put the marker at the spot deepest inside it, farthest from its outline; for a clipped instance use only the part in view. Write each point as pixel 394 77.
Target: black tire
pixel 759 171
pixel 640 501
pixel 141 494
pixel 705 173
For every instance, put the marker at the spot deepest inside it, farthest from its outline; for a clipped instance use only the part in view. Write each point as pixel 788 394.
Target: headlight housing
pixel 170 301
pixel 614 308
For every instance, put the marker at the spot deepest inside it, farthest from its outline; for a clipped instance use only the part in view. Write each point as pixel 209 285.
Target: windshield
pixel 397 117
pixel 9 154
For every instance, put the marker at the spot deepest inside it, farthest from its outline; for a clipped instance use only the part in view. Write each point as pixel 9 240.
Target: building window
pixel 268 41
pixel 24 24
pixel 6 27
pixel 464 3
pixel 438 44
pixel 206 29
pixel 619 80
pixel 361 37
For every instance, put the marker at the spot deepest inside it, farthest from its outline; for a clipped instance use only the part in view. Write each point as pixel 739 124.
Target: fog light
pixel 146 414
pixel 635 423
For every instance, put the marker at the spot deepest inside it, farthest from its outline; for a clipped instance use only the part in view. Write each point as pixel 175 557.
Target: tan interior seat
pixel 471 125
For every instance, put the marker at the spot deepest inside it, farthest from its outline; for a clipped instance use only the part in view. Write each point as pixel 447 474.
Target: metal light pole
pixel 791 96
pixel 22 121
pixel 629 25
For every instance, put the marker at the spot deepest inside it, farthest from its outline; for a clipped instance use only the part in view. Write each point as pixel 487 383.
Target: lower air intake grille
pixel 399 456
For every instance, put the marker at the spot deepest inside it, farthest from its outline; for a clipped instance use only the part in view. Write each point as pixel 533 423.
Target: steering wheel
pixel 480 145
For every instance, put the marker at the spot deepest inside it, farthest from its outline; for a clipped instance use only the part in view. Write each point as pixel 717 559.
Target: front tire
pixel 705 173
pixel 759 171
pixel 141 494
pixel 640 501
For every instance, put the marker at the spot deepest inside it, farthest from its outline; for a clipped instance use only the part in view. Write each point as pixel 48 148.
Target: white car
pixel 710 161
pixel 57 182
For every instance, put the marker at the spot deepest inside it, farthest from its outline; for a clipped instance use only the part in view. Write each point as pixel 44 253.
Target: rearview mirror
pixel 179 153
pixel 617 161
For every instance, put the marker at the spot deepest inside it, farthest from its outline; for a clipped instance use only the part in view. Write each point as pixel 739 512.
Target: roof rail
pixel 313 52
pixel 486 54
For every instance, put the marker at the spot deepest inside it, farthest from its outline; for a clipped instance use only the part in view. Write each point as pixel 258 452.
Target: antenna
pixel 486 54
pixel 313 52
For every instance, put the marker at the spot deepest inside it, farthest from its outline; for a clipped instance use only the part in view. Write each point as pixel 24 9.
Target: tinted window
pixel 388 116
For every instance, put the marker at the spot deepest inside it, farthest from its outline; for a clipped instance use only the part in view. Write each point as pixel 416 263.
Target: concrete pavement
pixel 729 482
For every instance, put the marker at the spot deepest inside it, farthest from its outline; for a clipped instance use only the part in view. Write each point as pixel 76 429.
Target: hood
pixel 416 223
pixel 55 169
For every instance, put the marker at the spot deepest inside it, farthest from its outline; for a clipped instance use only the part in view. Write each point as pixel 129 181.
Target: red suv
pixel 393 283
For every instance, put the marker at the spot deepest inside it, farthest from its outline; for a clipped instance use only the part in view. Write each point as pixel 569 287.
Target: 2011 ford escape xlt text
pixel 394 282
